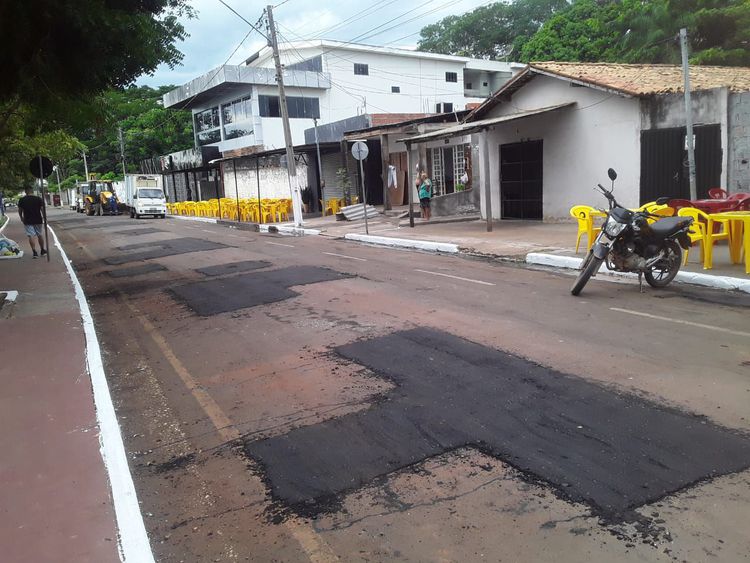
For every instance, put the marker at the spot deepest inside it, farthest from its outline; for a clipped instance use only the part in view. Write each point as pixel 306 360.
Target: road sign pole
pixel 364 195
pixel 44 206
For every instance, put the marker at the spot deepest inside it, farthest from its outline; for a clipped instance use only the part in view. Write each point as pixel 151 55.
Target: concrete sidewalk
pixel 509 240
pixel 55 499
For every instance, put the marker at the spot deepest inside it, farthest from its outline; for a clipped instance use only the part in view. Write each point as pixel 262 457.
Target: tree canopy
pixel 633 31
pixel 492 31
pixel 148 129
pixel 60 57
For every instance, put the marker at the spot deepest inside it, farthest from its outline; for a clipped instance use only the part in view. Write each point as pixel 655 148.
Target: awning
pixel 481 125
pixel 308 148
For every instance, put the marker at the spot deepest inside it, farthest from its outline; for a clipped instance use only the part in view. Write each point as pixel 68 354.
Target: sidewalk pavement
pixel 55 501
pixel 515 241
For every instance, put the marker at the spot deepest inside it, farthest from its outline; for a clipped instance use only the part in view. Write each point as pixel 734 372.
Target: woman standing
pixel 424 187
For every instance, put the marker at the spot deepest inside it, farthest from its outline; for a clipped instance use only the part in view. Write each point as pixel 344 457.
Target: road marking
pixel 345 256
pixel 132 537
pixel 279 244
pixel 681 322
pixel 207 231
pixel 454 277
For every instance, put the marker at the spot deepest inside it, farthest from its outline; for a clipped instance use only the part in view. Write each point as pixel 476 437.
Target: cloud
pixel 216 32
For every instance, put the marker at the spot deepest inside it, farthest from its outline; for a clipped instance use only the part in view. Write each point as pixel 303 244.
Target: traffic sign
pixel 360 150
pixel 40 171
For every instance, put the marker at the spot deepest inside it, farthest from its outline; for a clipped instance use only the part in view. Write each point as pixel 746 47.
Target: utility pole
pixel 122 151
pixel 291 165
pixel 320 165
pixel 85 166
pixel 59 190
pixel 688 114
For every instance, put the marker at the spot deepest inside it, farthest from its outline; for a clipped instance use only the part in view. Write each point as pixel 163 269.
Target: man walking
pixel 33 213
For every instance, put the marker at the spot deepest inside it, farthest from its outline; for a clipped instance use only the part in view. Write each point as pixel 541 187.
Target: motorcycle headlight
pixel 613 228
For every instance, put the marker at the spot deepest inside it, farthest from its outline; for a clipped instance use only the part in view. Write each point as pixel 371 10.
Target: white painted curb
pixel 287 230
pixel 189 218
pixel 7 222
pixel 404 243
pixel 132 538
pixel 695 278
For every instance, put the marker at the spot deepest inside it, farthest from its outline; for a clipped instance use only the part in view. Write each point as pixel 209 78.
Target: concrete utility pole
pixel 291 165
pixel 85 166
pixel 122 151
pixel 320 167
pixel 688 114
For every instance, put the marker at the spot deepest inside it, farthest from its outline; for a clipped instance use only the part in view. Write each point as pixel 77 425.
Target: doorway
pixel 521 180
pixel 664 162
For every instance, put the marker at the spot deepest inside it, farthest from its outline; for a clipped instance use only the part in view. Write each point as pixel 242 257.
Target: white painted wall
pixel 580 143
pixel 274 182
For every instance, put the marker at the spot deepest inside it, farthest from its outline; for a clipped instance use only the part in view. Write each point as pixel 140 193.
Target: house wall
pixel 708 107
pixel 273 178
pixel 580 143
pixel 739 145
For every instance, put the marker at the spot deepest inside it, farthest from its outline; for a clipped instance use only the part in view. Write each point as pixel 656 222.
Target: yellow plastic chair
pixel 583 213
pixel 700 232
pixel 657 209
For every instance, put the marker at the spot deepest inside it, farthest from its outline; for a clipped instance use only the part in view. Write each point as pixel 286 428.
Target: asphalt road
pixel 294 399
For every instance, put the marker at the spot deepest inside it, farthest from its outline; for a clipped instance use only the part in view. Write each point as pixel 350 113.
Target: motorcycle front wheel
pixel 664 271
pixel 590 267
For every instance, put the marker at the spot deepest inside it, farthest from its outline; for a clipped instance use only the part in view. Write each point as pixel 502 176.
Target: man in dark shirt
pixel 32 212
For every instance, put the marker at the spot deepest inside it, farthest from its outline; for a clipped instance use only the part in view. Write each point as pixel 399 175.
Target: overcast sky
pixel 216 32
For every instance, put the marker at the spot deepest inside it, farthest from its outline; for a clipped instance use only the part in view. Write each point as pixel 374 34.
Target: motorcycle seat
pixel 668 226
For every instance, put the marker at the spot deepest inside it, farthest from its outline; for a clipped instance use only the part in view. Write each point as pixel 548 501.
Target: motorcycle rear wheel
pixel 664 271
pixel 590 267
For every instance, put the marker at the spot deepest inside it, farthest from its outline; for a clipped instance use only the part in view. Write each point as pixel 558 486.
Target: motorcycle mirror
pixel 662 200
pixel 612 174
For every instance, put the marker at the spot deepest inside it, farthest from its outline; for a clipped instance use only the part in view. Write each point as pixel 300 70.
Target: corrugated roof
pixel 638 80
pixel 467 128
pixel 649 79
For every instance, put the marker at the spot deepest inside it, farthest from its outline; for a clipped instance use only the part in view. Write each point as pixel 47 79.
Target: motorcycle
pixel 628 242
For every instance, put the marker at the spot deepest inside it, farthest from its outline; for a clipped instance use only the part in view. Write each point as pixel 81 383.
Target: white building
pixel 549 135
pixel 238 106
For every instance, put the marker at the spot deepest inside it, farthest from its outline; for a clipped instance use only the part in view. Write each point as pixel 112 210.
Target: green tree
pixel 148 130
pixel 633 31
pixel 498 30
pixel 584 32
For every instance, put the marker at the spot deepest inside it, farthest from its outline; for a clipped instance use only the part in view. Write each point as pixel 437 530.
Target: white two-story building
pixel 236 106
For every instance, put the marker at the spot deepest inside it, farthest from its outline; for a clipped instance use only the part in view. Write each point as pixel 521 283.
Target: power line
pixel 235 12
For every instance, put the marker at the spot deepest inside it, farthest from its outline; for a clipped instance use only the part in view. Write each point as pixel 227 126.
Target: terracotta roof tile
pixel 649 79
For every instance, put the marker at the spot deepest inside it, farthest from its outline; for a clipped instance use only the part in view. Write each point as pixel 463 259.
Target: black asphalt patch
pixel 163 248
pixel 147 268
pixel 233 267
pixel 139 231
pixel 610 450
pixel 212 297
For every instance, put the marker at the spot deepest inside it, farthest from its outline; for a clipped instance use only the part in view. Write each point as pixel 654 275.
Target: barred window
pixel 361 69
pixel 451 77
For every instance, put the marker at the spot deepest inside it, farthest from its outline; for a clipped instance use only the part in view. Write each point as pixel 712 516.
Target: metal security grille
pixel 438 172
pixel 459 162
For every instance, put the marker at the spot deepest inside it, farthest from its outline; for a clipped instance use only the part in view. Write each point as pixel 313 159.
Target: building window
pixel 361 69
pixel 395 89
pixel 314 64
pixel 485 83
pixel 468 85
pixel 237 117
pixel 207 126
pixel 299 108
pixel 445 107
pixel 451 77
